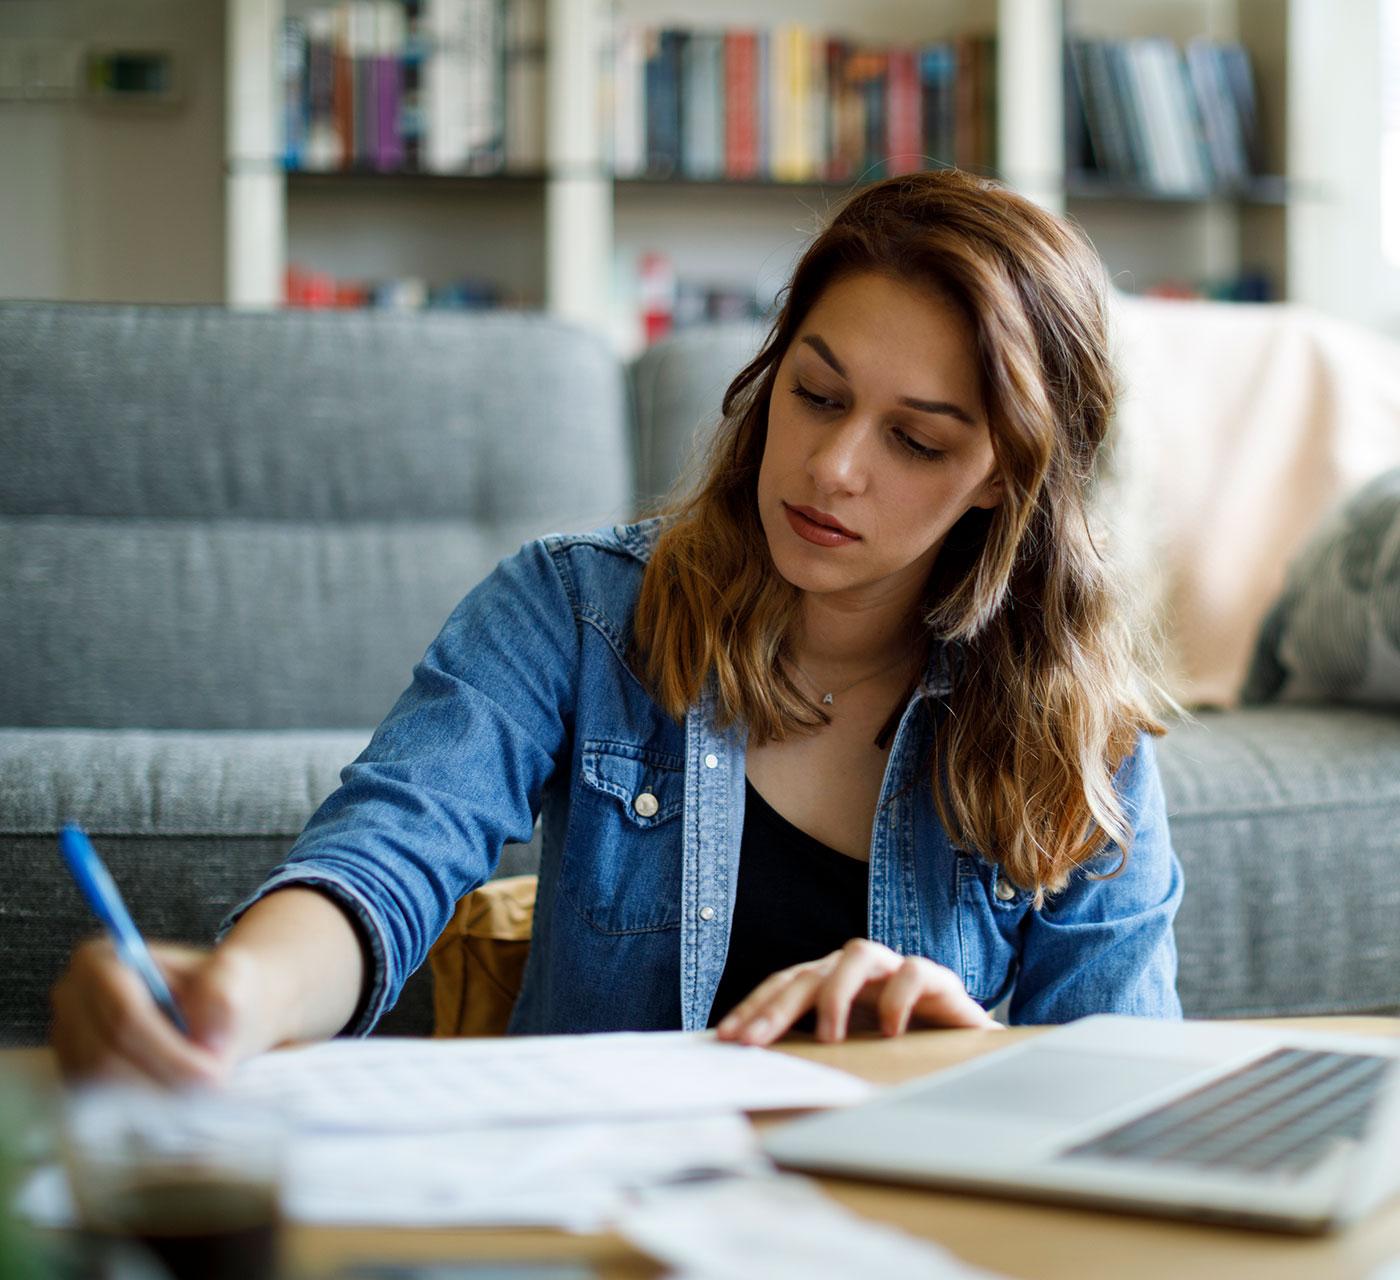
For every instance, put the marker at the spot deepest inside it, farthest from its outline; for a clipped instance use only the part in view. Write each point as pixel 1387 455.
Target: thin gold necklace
pixel 828 698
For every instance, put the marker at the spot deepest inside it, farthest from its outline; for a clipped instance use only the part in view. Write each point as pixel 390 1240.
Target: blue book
pixel 665 49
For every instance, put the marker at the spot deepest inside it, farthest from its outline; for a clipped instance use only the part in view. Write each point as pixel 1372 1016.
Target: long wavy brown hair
pixel 1050 692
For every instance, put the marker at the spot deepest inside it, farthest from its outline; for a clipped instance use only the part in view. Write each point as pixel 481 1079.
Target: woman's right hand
pixel 107 1026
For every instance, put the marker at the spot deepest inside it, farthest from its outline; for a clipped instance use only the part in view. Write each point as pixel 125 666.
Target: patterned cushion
pixel 1334 634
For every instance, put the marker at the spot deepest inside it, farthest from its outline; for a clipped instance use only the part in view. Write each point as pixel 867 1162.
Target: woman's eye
pixel 812 398
pixel 917 449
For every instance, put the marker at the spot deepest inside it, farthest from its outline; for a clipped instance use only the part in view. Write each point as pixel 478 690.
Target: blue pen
pixel 100 890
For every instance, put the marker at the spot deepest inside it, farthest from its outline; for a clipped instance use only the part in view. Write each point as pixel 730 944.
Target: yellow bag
pixel 479 960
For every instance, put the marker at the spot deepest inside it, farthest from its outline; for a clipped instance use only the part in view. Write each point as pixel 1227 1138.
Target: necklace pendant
pixel 828 700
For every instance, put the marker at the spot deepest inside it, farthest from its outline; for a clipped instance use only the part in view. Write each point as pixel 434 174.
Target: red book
pixel 904 124
pixel 741 104
pixel 343 96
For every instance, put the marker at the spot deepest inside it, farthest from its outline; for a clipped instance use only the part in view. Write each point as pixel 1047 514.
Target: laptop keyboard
pixel 1277 1115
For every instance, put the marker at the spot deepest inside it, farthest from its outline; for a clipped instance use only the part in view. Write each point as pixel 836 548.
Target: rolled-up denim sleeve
pixel 455 772
pixel 1106 945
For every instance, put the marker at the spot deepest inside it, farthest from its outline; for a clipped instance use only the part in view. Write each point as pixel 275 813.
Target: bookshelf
pixel 568 236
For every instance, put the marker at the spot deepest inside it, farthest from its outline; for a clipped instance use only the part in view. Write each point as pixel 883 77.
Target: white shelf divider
pixel 255 197
pixel 1030 108
pixel 578 215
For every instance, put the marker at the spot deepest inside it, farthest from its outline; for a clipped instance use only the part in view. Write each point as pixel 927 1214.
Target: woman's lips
pixel 813 530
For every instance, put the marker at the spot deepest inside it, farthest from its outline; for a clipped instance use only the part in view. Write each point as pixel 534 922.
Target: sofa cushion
pixel 1285 820
pixel 222 520
pixel 1335 631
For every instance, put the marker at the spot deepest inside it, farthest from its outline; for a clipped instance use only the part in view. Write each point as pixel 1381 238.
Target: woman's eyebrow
pixel 944 407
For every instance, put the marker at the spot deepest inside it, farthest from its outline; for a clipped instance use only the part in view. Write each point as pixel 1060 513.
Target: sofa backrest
pixel 223 520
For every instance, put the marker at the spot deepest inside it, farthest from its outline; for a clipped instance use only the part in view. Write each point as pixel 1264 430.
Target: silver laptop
pixel 1292 1130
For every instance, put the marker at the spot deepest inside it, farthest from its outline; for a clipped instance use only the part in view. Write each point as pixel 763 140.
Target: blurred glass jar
pixel 194 1177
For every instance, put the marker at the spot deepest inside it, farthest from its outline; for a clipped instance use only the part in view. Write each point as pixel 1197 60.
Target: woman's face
pixel 877 440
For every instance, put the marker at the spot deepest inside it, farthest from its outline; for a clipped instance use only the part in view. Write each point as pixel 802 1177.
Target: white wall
pixel 115 205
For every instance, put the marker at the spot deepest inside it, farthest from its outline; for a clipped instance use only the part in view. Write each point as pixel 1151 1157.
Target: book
pixel 629 102
pixel 323 147
pixel 936 70
pixel 904 126
pixel 663 104
pixel 410 123
pixel 291 68
pixel 702 88
pixel 524 54
pixel 741 158
pixel 391 27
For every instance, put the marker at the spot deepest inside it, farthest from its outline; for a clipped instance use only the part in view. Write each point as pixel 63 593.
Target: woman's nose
pixel 838 464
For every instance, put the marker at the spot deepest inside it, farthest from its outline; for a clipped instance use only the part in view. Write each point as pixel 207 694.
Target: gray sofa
pixel 226 538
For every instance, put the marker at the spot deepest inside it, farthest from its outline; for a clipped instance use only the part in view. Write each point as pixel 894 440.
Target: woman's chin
pixel 799 570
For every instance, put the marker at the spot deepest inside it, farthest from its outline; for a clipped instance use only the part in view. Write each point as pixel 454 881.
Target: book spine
pixel 1187 136
pixel 964 102
pixel 1215 125
pixel 629 102
pixel 905 127
pixel 803 160
pixel 763 96
pixel 1147 88
pixel 740 86
pixel 389 46
pixel 877 117
pixel 1122 91
pixel 292 67
pixel 1239 79
pixel 411 92
pixel 343 89
pixel 987 107
pixel 663 101
pixel 818 108
pixel 444 137
pixel 365 87
pixel 700 89
pixel 322 140
pixel 524 86
pixel 484 70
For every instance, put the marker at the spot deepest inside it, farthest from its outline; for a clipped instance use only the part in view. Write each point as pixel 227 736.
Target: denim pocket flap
pixel 650 785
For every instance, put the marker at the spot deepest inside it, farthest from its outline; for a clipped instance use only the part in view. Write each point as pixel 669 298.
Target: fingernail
pixel 727 1025
pixel 756 1029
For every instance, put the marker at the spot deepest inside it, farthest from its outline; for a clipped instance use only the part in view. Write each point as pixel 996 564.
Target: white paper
pixel 577 1177
pixel 408 1084
pixel 777 1228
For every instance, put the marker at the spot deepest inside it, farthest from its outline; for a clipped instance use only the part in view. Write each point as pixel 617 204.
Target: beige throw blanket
pixel 1240 426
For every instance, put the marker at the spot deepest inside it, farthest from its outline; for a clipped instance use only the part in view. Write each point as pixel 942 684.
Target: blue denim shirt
pixel 524 705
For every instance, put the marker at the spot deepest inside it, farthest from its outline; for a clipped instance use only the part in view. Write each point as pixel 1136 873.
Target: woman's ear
pixel 989 493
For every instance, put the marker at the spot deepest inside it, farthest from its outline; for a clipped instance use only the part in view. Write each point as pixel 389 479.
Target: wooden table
pixel 1021 1239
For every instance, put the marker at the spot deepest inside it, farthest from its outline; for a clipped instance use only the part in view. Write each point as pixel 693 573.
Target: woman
pixel 853 731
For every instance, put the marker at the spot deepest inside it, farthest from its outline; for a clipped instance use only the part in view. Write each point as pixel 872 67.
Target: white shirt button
pixel 646 805
pixel 712 761
pixel 1005 890
pixel 707 913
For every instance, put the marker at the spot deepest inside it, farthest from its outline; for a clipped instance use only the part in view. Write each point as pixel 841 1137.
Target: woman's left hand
pixel 864 983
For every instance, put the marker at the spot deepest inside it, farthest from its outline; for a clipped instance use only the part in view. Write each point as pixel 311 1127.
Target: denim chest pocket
pixel 622 861
pixel 990 910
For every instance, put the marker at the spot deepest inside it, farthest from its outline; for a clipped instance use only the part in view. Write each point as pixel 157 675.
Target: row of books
pixel 795 104
pixel 1247 286
pixel 304 287
pixel 1146 113
pixel 439 86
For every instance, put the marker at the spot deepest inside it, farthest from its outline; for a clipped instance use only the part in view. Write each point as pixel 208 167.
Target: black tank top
pixel 798 899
